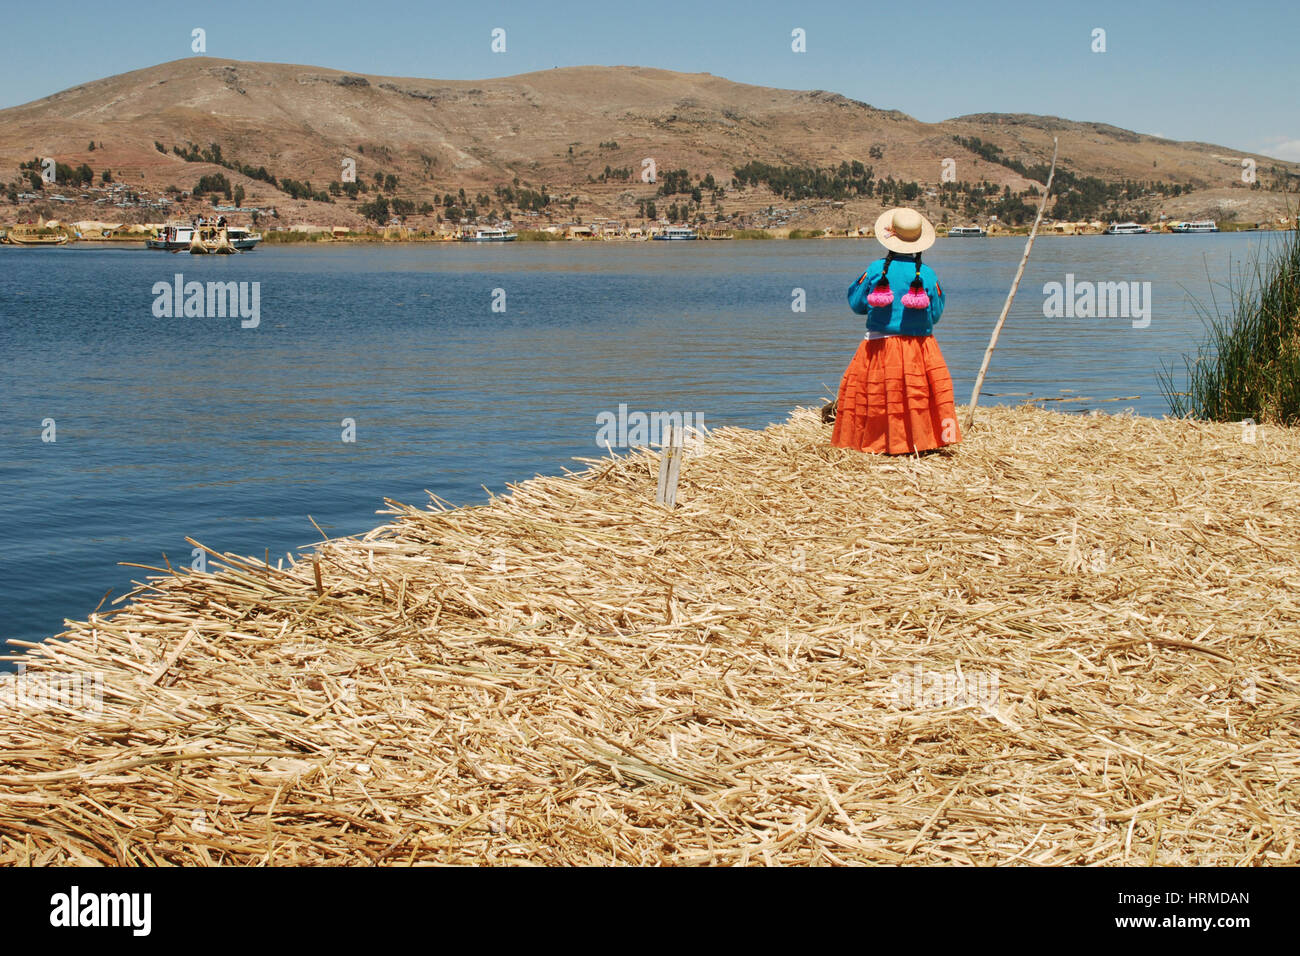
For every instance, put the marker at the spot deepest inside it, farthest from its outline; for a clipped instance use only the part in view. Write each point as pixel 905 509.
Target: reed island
pixel 1071 641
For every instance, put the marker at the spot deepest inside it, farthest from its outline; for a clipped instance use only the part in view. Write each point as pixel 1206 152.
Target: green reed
pixel 1249 364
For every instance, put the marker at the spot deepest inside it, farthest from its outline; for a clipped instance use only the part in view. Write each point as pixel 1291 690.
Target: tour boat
pixel 1199 225
pixel 1125 229
pixel 172 237
pixel 962 231
pixel 177 237
pixel 243 239
pixel 677 232
pixel 489 235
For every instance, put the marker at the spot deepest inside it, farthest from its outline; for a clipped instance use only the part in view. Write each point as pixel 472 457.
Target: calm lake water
pixel 167 428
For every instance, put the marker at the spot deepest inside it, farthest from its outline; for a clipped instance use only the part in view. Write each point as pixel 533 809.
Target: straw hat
pixel 904 230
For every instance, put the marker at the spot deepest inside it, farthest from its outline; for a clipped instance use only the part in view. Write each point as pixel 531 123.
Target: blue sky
pixel 1223 73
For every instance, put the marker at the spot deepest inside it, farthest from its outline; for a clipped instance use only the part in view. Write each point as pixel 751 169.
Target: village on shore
pixel 599 230
pixel 116 212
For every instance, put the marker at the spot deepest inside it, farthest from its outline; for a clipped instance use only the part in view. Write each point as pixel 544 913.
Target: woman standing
pixel 896 396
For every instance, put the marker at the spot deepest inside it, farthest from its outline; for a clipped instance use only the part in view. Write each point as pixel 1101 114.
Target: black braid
pixel 884 275
pixel 917 281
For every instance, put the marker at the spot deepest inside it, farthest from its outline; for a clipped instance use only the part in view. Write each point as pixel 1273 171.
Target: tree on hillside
pixel 213 183
pixel 377 210
pixel 674 181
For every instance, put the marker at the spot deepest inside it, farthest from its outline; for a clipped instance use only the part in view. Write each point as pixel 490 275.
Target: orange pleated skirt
pixel 896 398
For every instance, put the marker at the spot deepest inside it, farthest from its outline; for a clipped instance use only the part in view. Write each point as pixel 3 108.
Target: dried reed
pixel 573 675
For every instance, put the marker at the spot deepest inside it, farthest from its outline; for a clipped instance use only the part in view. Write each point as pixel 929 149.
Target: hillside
pixel 557 131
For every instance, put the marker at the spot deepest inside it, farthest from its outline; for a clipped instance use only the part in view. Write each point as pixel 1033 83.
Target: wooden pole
pixel 1006 306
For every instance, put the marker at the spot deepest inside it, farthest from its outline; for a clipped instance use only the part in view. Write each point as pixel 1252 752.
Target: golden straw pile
pixel 1074 641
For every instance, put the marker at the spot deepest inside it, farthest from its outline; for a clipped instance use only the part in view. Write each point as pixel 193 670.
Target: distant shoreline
pixel 307 239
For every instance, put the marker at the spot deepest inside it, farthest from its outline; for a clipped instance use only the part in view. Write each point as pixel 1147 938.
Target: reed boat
pixel 211 240
pixel 29 235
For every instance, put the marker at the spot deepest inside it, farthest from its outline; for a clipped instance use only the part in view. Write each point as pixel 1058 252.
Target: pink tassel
pixel 916 300
pixel 881 295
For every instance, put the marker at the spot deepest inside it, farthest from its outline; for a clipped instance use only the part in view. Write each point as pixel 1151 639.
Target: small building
pixel 607 227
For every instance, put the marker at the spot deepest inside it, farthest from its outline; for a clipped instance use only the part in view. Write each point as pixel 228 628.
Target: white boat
pixel 677 232
pixel 957 232
pixel 177 237
pixel 172 237
pixel 1199 225
pixel 243 239
pixel 490 235
pixel 1126 229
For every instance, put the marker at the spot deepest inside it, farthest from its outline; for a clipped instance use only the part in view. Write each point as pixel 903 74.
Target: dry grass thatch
pixel 1073 641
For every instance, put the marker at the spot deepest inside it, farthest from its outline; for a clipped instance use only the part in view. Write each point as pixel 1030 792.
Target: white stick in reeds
pixel 1011 295
pixel 670 466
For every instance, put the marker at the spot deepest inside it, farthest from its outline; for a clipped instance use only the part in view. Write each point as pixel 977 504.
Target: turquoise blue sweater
pixel 896 320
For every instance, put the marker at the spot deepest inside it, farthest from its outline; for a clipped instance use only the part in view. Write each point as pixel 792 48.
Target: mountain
pixel 561 128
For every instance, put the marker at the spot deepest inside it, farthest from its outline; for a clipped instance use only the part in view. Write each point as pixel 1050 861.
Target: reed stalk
pixel 1248 366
